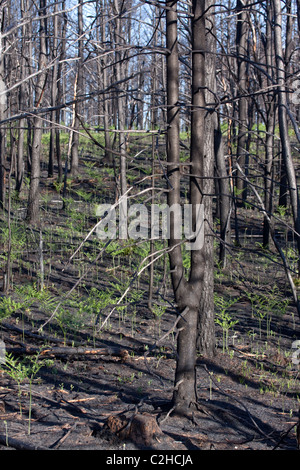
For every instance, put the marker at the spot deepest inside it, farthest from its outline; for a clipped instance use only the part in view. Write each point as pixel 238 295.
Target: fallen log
pixel 18 444
pixel 63 351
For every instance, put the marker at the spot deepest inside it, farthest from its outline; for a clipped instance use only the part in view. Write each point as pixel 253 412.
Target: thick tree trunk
pixel 184 393
pixel 191 296
pixel 205 76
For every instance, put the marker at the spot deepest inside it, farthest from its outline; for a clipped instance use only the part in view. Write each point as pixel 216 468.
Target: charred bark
pixel 283 122
pixel 190 295
pixel 3 111
pixel 79 90
pixel 33 197
pixel 241 50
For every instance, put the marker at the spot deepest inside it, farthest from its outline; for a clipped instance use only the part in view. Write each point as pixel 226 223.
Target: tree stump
pixel 144 430
pixel 118 425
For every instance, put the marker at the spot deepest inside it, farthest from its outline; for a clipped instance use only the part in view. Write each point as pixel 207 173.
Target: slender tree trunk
pixel 224 194
pixel 286 56
pixel 59 95
pixel 8 273
pixel 298 15
pixel 29 90
pixel 78 107
pixel 283 122
pixel 54 92
pixel 3 111
pixel 241 49
pixel 33 197
pixel 289 49
pixel 103 81
pixel 121 102
pixel 20 144
pixel 153 124
pixel 270 128
pixel 20 157
pixel 218 157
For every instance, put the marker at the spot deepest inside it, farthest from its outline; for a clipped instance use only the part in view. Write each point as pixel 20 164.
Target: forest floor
pixel 115 393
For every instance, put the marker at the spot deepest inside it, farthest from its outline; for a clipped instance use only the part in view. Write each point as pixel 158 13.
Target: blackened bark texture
pixel 191 296
pixel 59 95
pixel 241 51
pixel 184 393
pixel 54 91
pixel 33 197
pixel 103 82
pixel 222 186
pixel 3 108
pixel 29 97
pixel 270 126
pixel 204 39
pixel 283 122
pixel 22 103
pixel 176 264
pixel 223 193
pixel 79 90
pixel 119 10
pixel 3 111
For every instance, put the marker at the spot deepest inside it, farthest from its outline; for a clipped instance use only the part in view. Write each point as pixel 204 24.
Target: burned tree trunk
pixel 79 90
pixel 3 111
pixel 270 128
pixel 119 10
pixel 54 90
pixel 283 121
pixel 33 197
pixel 188 293
pixel 241 50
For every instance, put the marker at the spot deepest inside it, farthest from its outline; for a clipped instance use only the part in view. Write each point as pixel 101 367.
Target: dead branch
pixel 69 351
pixel 62 439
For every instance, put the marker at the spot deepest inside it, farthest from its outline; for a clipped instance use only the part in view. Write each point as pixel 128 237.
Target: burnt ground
pixel 248 394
